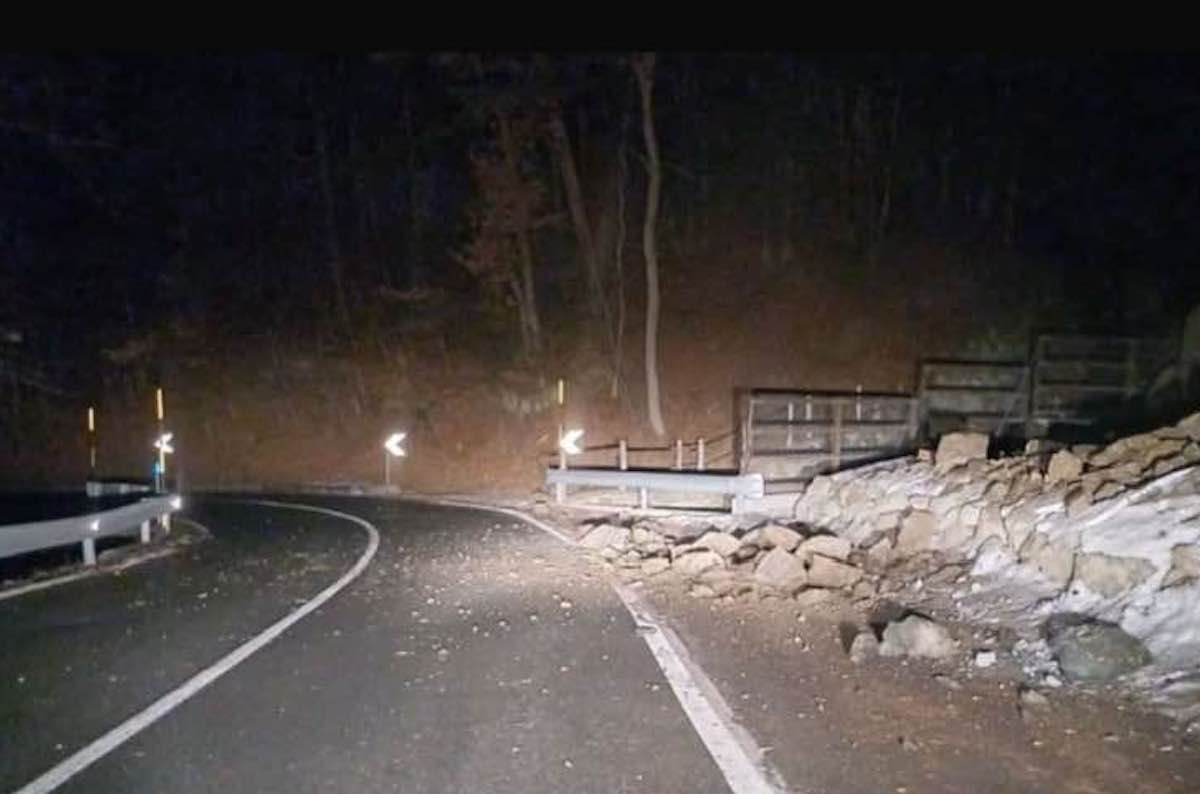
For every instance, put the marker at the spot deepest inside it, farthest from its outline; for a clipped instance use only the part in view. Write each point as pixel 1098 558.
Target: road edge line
pixel 81 759
pixel 703 705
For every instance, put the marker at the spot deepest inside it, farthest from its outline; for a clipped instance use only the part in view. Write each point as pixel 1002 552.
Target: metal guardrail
pixel 87 529
pixel 739 486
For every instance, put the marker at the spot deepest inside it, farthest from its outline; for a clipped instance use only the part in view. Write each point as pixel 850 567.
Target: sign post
pixel 392 448
pixel 568 444
pixel 163 445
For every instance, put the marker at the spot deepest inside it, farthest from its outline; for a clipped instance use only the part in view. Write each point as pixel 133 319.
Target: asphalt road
pixel 474 654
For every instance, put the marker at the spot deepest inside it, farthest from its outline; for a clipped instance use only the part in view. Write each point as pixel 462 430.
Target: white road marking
pixel 33 587
pixel 45 584
pixel 81 759
pixel 732 749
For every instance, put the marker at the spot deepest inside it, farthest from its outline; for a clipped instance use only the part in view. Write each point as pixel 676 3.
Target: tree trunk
pixel 526 294
pixel 416 216
pixel 619 274
pixel 643 69
pixel 579 219
pixel 333 245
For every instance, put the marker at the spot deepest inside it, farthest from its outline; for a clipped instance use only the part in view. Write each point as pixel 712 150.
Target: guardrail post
pixel 679 454
pixel 699 454
pixel 791 418
pixel 89 551
pixel 560 489
pixel 145 532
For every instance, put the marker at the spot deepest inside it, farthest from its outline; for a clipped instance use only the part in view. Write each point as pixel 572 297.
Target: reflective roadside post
pixel 161 473
pixel 392 448
pixel 91 429
pixel 163 445
pixel 568 444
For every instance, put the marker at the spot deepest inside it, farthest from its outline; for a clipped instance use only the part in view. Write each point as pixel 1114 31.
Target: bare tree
pixel 333 246
pixel 618 326
pixel 588 253
pixel 643 70
pixel 500 251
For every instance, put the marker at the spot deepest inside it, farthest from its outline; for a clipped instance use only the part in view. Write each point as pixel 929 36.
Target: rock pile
pixel 1110 533
pixel 1005 510
pixel 767 560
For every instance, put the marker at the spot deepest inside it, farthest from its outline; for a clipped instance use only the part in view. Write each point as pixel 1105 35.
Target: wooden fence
pixel 790 436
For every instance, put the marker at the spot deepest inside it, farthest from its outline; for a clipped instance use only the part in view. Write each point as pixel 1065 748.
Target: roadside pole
pixel 161 472
pixel 91 429
pixel 393 447
pixel 560 491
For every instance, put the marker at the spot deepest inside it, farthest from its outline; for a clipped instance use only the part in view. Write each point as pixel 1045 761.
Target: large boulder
pixel 1093 650
pixel 991 525
pixel 1055 561
pixel 826 572
pixel 606 536
pixel 916 533
pixel 780 537
pixel 653 566
pixel 721 542
pixel 826 545
pixel 864 646
pixel 1185 564
pixel 781 570
pixel 695 563
pixel 1109 575
pixel 1125 449
pixel 954 449
pixel 917 636
pixel 1063 466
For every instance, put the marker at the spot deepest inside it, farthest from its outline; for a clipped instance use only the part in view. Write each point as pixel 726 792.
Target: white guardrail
pixel 739 486
pixel 87 529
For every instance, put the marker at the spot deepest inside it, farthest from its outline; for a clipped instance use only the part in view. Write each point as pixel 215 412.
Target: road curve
pixel 472 654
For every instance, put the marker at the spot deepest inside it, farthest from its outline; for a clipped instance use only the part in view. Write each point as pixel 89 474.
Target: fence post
pixel 748 435
pixel 1131 368
pixel 623 455
pixel 89 551
pixel 699 454
pixel 858 403
pixel 678 454
pixel 837 434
